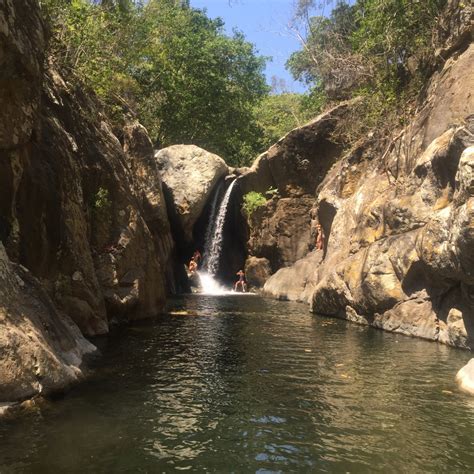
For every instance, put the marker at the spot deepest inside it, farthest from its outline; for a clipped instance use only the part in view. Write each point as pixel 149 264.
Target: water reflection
pixel 249 385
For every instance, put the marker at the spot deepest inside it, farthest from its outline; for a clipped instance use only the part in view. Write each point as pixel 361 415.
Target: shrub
pixel 252 201
pixel 101 200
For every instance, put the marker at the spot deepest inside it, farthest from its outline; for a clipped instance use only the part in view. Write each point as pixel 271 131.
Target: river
pixel 245 384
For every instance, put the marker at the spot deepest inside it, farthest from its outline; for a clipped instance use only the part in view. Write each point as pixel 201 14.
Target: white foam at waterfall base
pixel 210 286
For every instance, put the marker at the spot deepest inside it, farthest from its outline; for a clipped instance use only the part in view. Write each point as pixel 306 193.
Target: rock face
pixel 281 230
pixel 189 174
pixel 257 271
pixel 295 283
pixel 84 214
pixel 398 220
pixel 41 349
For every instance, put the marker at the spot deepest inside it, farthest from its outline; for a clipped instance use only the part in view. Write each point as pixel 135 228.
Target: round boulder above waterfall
pixel 189 175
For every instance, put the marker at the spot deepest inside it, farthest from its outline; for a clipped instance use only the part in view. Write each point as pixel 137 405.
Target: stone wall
pixel 82 216
pixel 398 220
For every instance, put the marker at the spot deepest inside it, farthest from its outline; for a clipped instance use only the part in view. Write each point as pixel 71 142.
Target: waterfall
pixel 211 225
pixel 213 244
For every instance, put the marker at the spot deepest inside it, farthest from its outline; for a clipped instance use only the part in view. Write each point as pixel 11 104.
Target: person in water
pixel 241 281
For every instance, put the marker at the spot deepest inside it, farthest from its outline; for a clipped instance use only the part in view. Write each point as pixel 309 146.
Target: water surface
pixel 244 384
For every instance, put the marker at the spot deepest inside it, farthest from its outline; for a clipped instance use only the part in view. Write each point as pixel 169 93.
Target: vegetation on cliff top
pixel 171 64
pixel 377 49
pixel 188 82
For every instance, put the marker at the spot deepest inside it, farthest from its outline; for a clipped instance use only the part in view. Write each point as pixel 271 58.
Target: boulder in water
pixel 465 378
pixel 257 271
pixel 190 175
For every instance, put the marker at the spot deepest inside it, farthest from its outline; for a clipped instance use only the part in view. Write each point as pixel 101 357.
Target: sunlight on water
pixel 232 384
pixel 210 286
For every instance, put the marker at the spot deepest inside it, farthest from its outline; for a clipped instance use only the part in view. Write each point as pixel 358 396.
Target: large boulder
pixel 257 271
pixel 189 174
pixel 465 378
pixel 41 350
pixel 295 283
pixel 298 162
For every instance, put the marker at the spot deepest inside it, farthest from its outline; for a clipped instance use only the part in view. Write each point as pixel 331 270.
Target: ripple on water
pixel 229 384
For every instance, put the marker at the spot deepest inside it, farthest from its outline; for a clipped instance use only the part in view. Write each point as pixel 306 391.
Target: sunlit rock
pixel 465 378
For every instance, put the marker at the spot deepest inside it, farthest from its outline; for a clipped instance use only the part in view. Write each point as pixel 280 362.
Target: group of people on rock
pixel 194 265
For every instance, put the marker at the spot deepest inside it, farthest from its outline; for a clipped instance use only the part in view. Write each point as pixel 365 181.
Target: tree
pixel 278 114
pixel 201 83
pixel 377 49
pixel 187 80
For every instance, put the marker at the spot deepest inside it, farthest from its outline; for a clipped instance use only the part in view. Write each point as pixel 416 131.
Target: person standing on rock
pixel 240 281
pixel 197 257
pixel 320 237
pixel 192 267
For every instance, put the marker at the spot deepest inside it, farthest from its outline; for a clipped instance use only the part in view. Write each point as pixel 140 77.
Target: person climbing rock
pixel 320 237
pixel 192 267
pixel 197 257
pixel 241 281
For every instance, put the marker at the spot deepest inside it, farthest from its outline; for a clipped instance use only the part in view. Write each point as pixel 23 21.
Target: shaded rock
pixel 299 161
pixel 42 350
pixel 295 283
pixel 190 175
pixel 22 42
pixel 76 210
pixel 257 271
pixel 280 231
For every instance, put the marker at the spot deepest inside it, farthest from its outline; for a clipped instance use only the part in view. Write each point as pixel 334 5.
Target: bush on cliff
pixel 252 201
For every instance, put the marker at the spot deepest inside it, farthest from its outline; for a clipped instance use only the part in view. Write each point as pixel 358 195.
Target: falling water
pixel 213 244
pixel 211 225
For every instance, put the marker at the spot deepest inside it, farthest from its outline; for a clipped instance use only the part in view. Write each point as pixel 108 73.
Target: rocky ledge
pixel 398 220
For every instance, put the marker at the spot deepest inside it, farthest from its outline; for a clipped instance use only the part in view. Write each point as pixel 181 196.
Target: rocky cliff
pixel 82 216
pixel 398 220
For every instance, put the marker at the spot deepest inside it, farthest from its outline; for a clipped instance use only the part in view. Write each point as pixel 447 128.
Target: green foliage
pixel 174 66
pixel 252 201
pixel 379 49
pixel 101 201
pixel 277 114
pixel 270 192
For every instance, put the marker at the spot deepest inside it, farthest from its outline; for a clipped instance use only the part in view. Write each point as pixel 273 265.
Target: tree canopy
pixel 186 79
pixel 378 49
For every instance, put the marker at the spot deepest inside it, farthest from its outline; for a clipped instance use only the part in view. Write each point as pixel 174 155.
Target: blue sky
pixel 264 23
